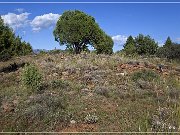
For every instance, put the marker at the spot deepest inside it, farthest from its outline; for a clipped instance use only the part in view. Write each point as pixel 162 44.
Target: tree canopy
pixel 142 45
pixel 168 42
pixel 169 50
pixel 129 46
pixel 77 30
pixel 10 44
pixel 145 45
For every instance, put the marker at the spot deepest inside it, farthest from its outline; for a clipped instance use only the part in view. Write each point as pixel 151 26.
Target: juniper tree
pixel 77 31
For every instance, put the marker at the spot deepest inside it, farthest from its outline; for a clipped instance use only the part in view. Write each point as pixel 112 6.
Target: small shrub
pixel 145 75
pixel 5 57
pixel 36 111
pixel 59 84
pixel 31 78
pixel 50 101
pixel 170 52
pixel 41 112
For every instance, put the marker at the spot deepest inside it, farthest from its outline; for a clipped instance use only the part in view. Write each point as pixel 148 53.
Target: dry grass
pixel 89 92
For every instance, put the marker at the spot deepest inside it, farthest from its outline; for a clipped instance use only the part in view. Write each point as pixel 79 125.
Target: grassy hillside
pixel 89 92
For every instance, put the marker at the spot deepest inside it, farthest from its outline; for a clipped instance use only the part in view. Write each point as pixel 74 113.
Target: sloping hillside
pixel 89 92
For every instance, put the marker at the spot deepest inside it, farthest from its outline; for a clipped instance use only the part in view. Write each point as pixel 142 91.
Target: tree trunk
pixel 77 48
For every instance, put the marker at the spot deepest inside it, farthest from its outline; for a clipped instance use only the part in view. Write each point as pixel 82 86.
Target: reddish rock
pixel 8 106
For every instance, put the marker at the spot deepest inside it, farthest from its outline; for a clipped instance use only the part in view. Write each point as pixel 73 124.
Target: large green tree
pixel 77 30
pixel 10 44
pixel 105 45
pixel 145 45
pixel 169 50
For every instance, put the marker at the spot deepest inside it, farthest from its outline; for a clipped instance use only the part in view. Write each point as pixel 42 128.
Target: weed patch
pixel 31 78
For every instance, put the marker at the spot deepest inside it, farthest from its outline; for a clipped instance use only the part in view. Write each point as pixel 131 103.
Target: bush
pixel 10 44
pixel 31 78
pixel 141 45
pixel 170 52
pixel 5 57
pixel 59 84
pixel 145 45
pixel 41 112
pixel 145 75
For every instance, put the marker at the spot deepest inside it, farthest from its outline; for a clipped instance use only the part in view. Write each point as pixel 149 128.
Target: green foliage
pixel 41 113
pixel 168 42
pixel 10 45
pixel 77 30
pixel 145 75
pixel 105 46
pixel 142 45
pixel 56 51
pixel 5 57
pixel 169 51
pixel 42 52
pixel 145 45
pixel 129 46
pixel 31 78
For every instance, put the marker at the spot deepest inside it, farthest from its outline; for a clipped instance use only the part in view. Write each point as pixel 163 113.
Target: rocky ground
pixel 89 92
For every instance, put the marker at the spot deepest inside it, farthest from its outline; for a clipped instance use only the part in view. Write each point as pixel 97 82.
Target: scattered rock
pixel 102 91
pixel 133 63
pixel 87 77
pixel 143 84
pixel 177 69
pixel 120 74
pixel 85 91
pixel 65 73
pixel 55 74
pixel 91 119
pixel 73 122
pixel 15 102
pixel 94 67
pixel 160 67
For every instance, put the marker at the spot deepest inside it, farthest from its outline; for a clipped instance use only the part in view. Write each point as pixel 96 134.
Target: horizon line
pixel 88 2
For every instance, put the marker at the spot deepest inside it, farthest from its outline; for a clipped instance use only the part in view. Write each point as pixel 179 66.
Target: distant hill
pixel 37 51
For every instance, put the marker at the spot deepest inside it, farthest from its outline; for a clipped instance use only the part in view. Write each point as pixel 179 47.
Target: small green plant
pixel 31 78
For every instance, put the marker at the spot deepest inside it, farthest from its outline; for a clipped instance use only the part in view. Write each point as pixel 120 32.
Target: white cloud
pixel 16 20
pixel 20 10
pixel 119 39
pixel 44 21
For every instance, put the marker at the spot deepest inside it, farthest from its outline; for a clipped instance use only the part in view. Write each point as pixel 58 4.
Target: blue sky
pixel 35 22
